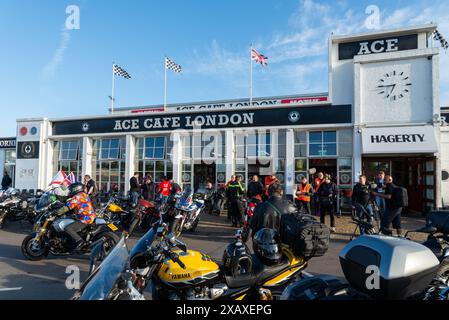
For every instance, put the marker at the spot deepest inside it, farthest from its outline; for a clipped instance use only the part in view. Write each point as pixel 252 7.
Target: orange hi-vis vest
pixel 306 189
pixel 318 182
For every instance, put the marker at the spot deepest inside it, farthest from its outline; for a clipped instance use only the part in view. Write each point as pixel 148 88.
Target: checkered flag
pixel 120 72
pixel 171 65
pixel 438 37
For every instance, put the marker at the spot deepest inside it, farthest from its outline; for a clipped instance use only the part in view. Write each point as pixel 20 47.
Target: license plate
pixel 112 227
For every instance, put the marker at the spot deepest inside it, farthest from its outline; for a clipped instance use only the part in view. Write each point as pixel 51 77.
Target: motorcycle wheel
pixel 29 252
pixel 111 239
pixel 195 225
pixel 176 227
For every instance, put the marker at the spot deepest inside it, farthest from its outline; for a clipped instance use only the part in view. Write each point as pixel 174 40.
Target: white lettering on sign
pixel 378 46
pixel 7 143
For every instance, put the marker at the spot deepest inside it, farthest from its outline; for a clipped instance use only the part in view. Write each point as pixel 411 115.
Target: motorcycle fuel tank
pixel 199 268
pixel 61 224
pixel 115 208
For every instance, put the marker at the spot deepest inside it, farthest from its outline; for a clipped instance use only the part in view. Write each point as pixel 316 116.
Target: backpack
pixel 399 197
pixel 306 236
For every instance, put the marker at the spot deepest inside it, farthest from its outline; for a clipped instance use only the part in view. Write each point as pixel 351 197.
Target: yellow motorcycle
pixel 161 261
pixel 116 210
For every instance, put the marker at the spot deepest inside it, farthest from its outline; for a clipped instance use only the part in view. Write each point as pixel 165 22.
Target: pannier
pixel 388 268
pixel 307 237
pixel 439 220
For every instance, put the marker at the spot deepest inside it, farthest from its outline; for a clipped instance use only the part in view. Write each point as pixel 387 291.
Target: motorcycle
pixel 162 262
pixel 117 210
pixel 376 267
pixel 188 208
pixel 249 211
pixel 48 236
pixel 16 207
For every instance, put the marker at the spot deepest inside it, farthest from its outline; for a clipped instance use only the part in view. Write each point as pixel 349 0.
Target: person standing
pixel 393 208
pixel 175 187
pixel 149 189
pixel 303 193
pixel 134 188
pixel 360 200
pixel 6 181
pixel 316 187
pixel 327 192
pixel 255 188
pixel 228 202
pixel 164 189
pixel 380 182
pixel 234 192
pixel 91 189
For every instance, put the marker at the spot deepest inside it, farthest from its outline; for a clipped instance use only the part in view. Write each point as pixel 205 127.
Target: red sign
pixel 305 100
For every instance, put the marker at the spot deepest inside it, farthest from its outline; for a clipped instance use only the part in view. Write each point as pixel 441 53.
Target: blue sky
pixel 52 72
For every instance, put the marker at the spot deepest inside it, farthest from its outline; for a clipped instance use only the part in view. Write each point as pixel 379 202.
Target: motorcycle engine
pixel 200 293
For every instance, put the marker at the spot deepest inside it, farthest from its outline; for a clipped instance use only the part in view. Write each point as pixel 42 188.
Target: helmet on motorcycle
pixel 75 188
pixel 236 259
pixel 267 246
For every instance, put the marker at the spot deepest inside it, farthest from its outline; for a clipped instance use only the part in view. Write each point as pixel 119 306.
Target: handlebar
pixel 175 257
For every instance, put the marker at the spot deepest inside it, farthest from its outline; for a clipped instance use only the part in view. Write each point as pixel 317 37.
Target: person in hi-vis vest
pixel 304 192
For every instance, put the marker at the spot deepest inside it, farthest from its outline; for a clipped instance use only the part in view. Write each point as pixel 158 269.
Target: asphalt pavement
pixel 46 279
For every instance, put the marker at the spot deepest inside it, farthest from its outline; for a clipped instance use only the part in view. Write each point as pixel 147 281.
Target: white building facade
pixel 382 112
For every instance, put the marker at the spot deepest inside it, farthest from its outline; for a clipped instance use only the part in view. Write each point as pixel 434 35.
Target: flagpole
pixel 165 83
pixel 113 89
pixel 251 75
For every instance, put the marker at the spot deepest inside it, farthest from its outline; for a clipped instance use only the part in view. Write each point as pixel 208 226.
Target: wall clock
pixel 394 85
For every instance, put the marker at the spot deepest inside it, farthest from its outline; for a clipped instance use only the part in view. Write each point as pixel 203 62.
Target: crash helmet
pixel 75 188
pixel 237 259
pixel 267 246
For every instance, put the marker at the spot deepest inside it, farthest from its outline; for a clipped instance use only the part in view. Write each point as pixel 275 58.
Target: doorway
pixel 202 173
pixel 326 166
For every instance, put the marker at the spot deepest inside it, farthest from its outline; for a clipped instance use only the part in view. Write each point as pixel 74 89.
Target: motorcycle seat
pixel 245 280
pixel 265 272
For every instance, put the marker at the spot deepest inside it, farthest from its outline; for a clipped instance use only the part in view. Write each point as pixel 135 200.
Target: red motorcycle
pixel 249 211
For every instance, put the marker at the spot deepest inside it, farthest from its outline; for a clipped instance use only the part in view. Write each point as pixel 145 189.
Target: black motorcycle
pixel 17 206
pixel 49 237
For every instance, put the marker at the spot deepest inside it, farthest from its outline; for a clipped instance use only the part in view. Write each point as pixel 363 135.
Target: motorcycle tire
pixel 111 240
pixel 31 254
pixel 194 225
pixel 176 228
pixel 245 234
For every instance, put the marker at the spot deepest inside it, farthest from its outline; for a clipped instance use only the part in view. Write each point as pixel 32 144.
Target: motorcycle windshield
pixel 144 243
pixel 100 284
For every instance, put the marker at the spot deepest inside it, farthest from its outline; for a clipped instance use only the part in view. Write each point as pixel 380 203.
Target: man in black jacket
pixel 6 181
pixel 360 200
pixel 268 214
pixel 255 188
pixel 134 188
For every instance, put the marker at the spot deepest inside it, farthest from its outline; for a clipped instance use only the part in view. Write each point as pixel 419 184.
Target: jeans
pixel 135 197
pixel 325 208
pixel 73 229
pixel 381 204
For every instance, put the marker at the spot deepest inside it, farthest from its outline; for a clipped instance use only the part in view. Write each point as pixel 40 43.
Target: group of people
pixel 148 189
pixel 322 194
pixel 365 196
pixel 235 193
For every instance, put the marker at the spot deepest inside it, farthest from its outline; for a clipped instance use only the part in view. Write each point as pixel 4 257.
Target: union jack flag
pixel 259 58
pixel 61 176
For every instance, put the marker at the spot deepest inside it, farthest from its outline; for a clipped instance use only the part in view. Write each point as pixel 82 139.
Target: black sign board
pixel 289 116
pixel 7 143
pixel 350 49
pixel 28 150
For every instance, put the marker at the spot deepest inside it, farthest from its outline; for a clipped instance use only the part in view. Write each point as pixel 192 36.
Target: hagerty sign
pixel 225 119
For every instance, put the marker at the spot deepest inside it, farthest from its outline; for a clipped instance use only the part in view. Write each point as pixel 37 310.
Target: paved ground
pixel 23 279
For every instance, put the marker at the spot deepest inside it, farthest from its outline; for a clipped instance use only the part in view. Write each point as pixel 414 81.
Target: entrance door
pixel 203 172
pixel 326 166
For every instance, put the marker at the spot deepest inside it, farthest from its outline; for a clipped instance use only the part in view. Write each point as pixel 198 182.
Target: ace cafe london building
pixel 382 112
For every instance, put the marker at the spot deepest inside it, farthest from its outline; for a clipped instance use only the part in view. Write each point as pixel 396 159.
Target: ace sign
pixel 350 49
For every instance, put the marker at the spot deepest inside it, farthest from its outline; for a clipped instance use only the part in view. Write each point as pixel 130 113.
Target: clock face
pixel 394 85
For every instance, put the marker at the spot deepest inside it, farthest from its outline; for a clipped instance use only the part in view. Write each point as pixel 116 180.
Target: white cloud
pixel 49 71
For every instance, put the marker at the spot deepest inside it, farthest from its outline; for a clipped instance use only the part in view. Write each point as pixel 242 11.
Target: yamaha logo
pixel 85 127
pixel 294 116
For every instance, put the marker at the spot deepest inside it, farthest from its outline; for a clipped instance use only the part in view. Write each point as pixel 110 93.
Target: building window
pixel 68 157
pixel 300 169
pixel 108 164
pixel 300 141
pixel 258 145
pixel 345 143
pixel 152 157
pixel 322 143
